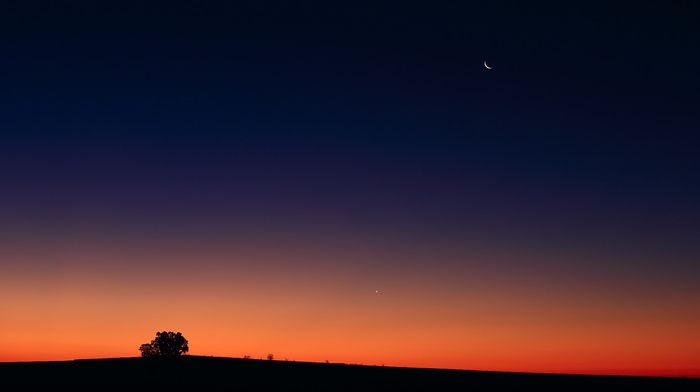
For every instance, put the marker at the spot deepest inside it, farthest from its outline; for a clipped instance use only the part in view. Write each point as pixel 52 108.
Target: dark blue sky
pixel 371 115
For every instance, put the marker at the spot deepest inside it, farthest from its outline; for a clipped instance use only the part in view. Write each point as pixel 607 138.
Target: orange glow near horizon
pixel 321 304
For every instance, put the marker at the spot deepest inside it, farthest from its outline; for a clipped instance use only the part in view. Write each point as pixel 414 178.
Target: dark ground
pixel 210 373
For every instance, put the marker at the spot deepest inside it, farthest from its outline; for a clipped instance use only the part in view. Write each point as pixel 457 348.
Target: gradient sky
pixel 348 182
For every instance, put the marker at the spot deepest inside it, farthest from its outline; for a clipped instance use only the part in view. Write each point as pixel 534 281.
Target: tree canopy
pixel 166 344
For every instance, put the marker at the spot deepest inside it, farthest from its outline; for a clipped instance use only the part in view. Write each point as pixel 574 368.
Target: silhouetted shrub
pixel 166 344
pixel 270 357
pixel 148 351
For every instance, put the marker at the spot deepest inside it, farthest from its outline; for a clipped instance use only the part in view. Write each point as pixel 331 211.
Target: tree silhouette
pixel 148 350
pixel 166 344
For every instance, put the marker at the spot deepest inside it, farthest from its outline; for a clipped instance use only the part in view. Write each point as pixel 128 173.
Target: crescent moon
pixel 486 65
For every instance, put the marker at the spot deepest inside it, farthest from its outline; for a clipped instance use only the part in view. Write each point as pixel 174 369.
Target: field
pixel 213 373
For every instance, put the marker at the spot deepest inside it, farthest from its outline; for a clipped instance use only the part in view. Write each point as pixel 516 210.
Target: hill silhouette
pixel 216 373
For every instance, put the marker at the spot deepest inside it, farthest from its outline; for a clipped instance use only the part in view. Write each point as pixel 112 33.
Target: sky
pixel 347 181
